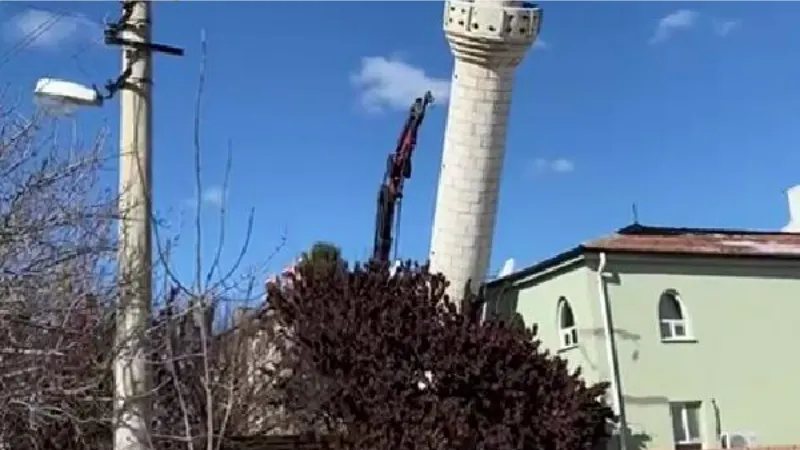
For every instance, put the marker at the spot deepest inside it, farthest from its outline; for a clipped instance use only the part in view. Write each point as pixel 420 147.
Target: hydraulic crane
pixel 398 169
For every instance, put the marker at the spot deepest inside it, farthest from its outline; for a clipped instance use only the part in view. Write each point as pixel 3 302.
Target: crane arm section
pixel 398 169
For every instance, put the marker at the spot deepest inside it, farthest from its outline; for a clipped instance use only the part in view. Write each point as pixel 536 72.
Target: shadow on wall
pixel 508 303
pixel 633 440
pixel 503 304
pixel 623 335
pixel 504 307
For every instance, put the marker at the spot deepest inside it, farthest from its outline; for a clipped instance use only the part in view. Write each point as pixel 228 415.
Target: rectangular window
pixel 686 425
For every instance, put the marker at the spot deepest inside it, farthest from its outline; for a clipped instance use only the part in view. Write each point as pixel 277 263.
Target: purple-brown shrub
pixel 387 362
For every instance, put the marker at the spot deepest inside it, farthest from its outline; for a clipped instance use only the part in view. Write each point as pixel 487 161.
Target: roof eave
pixel 541 266
pixel 582 250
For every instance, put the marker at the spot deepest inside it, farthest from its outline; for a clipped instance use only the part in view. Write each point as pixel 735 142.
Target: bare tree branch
pixel 58 295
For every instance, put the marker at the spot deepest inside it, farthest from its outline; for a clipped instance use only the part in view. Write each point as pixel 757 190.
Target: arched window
pixel 566 324
pixel 672 316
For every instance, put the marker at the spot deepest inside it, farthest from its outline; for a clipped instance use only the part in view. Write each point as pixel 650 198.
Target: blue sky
pixel 688 109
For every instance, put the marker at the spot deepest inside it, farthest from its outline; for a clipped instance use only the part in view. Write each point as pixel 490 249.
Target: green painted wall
pixel 536 300
pixel 744 316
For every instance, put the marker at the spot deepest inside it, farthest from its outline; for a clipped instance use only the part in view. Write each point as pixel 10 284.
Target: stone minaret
pixel 488 39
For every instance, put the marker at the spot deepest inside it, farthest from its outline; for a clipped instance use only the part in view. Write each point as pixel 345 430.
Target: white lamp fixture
pixel 52 91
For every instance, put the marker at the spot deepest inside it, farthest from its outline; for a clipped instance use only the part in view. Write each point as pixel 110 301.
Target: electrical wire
pixel 26 41
pixel 76 57
pixel 30 38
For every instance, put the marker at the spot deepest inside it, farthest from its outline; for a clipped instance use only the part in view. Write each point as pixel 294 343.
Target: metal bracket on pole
pixel 119 25
pixel 111 39
pixel 113 86
pixel 111 35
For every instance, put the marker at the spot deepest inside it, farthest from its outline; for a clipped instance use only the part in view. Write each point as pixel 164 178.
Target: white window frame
pixel 673 324
pixel 567 336
pixel 691 442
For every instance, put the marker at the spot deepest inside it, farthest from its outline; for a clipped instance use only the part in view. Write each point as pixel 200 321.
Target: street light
pixel 52 92
pixel 132 32
pixel 59 92
pixel 131 373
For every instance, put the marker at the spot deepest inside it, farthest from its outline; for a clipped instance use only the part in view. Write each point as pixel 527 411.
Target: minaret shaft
pixel 488 39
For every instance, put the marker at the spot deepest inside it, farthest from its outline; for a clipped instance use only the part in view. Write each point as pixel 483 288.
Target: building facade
pixel 703 352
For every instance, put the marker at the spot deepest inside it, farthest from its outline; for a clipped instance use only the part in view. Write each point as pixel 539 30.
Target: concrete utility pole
pixel 131 374
pixel 488 40
pixel 131 377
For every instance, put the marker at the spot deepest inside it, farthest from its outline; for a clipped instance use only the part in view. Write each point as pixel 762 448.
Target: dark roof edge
pixel 671 231
pixel 583 249
pixel 538 267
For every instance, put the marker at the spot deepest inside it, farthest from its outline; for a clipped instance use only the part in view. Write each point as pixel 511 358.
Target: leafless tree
pixel 57 300
pixel 56 250
pixel 205 381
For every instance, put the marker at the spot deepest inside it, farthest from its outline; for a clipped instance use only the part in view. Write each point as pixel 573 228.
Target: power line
pixel 26 41
pixel 30 38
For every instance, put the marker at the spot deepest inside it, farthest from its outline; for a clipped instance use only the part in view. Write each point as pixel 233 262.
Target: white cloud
pixel 392 83
pixel 679 20
pixel 213 196
pixel 557 165
pixel 50 29
pixel 724 27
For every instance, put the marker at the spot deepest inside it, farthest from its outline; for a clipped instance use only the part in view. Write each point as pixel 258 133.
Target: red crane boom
pixel 398 169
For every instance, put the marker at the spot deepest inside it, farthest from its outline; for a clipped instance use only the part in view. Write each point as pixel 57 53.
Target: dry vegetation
pixel 58 300
pixel 55 253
